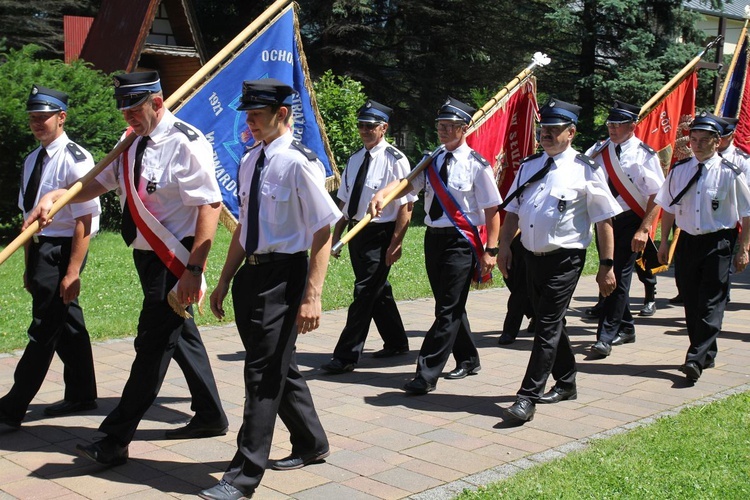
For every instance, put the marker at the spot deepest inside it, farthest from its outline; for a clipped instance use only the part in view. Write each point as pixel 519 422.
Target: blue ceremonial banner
pixel 733 95
pixel 272 53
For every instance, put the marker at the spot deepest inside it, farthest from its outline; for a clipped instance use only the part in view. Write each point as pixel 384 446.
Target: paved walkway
pixel 384 444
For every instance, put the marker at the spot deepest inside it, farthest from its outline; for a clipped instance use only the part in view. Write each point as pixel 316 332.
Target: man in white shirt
pixel 54 261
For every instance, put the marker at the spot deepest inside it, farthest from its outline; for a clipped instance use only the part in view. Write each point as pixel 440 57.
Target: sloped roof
pixel 733 10
pixel 75 31
pixel 117 38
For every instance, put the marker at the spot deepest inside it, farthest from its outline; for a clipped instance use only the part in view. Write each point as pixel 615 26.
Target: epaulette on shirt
pixel 588 161
pixel 185 129
pixel 648 148
pixel 309 153
pixel 76 151
pixel 731 166
pixel 742 153
pixel 531 157
pixel 678 163
pixel 480 158
pixel 250 148
pixel 394 152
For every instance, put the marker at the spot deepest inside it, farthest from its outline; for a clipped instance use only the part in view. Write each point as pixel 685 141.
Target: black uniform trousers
pixel 266 301
pixel 616 315
pixel 702 273
pixel 519 301
pixel 55 327
pixel 450 265
pixel 373 295
pixel 163 335
pixel 551 280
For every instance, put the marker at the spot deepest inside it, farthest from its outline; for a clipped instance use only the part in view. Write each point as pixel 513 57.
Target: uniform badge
pixel 715 205
pixel 561 206
pixel 151 186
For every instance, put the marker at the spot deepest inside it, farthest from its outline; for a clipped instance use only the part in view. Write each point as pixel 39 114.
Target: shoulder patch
pixel 309 153
pixel 480 158
pixel 185 129
pixel 394 152
pixel 728 164
pixel 588 161
pixel 76 151
pixel 648 148
pixel 531 157
pixel 742 153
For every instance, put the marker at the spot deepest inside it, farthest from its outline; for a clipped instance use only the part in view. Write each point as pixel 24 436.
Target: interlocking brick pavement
pixel 384 444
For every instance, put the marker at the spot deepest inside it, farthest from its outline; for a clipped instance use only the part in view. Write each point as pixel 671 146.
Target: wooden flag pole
pixel 170 103
pixel 732 65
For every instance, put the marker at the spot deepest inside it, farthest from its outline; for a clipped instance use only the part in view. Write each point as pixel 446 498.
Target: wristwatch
pixel 606 262
pixel 194 269
pixel 493 251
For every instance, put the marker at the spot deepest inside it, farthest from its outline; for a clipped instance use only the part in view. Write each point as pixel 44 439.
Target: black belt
pixel 257 259
pixel 452 231
pixel 58 240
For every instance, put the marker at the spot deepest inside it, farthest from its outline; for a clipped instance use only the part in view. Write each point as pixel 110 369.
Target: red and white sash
pixel 620 180
pixel 476 236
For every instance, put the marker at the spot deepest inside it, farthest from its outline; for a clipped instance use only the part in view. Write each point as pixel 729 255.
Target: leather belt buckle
pixel 253 260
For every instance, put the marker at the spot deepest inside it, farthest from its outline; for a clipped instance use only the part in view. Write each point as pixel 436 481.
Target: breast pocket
pixel 275 203
pixel 560 201
pixel 717 197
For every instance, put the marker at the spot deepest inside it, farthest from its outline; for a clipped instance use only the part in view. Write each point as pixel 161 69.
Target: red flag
pixel 666 127
pixel 742 131
pixel 506 135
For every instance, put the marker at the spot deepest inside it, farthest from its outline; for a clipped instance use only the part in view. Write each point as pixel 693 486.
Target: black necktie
pixel 253 207
pixel 359 182
pixel 436 210
pixel 692 181
pixel 537 176
pixel 32 187
pixel 128 229
pixel 612 188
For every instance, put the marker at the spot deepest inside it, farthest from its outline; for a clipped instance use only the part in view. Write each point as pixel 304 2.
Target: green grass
pixel 111 294
pixel 703 452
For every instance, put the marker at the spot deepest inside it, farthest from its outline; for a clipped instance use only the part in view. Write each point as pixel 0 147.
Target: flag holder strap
pixel 539 59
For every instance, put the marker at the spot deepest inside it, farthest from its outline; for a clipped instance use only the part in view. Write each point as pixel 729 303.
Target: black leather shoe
pixel 648 309
pixel 710 364
pixel 418 386
pixel 522 411
pixel 105 452
pixel 463 371
pixel 691 370
pixel 593 312
pixel 293 462
pixel 68 407
pixel 506 339
pixel 624 338
pixel 223 491
pixel 558 394
pixel 387 352
pixel 601 348
pixel 532 326
pixel 677 299
pixel 9 421
pixel 195 429
pixel 337 366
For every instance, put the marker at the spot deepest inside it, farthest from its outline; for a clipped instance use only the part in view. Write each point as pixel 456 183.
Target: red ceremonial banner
pixel 507 135
pixel 666 127
pixel 742 131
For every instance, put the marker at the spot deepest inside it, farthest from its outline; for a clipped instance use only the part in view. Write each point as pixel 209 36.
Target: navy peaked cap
pixel 46 100
pixel 557 112
pixel 374 112
pixel 455 110
pixel 622 112
pixel 258 94
pixel 132 89
pixel 709 122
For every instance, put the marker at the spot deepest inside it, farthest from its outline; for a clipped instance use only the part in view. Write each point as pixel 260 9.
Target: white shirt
pixel 642 168
pixel 181 170
pixel 386 165
pixel 558 210
pixel 59 170
pixel 470 182
pixel 717 201
pixel 294 203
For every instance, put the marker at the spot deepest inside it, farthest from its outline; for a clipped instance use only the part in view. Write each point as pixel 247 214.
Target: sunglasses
pixel 367 126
